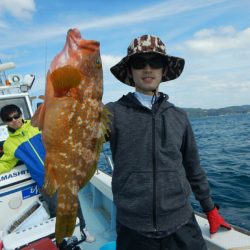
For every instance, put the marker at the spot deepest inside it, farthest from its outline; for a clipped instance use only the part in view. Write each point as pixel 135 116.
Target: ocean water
pixel 224 147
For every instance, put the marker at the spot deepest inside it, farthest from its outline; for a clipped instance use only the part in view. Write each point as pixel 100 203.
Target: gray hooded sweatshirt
pixel 156 165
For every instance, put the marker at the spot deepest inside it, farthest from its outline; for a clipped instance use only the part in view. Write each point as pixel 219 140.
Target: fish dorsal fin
pixel 38 118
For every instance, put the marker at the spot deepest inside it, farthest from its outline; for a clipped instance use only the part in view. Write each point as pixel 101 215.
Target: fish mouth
pixel 75 32
pixel 89 46
pixel 77 42
pixel 74 37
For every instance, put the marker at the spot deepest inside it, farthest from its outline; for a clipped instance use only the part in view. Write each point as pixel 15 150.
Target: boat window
pixel 20 102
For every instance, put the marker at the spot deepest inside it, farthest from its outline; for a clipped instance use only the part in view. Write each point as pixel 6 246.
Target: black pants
pixel 51 202
pixel 188 237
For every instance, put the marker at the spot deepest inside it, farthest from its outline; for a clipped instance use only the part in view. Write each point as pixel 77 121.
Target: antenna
pixel 45 64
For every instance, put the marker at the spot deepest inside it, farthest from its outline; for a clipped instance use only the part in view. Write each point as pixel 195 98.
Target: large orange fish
pixel 73 123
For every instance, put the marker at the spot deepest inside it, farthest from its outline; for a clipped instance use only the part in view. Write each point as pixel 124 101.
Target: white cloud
pixel 3 25
pixel 22 9
pixel 211 41
pixel 216 70
pixel 108 61
pixel 164 9
pixel 5 57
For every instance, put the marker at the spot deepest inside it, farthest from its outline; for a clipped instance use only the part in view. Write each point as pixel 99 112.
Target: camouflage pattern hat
pixel 148 44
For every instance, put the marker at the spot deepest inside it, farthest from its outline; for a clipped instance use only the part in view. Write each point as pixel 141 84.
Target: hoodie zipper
pixel 154 172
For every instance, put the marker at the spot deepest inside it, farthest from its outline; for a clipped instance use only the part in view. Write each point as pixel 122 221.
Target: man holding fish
pixel 156 161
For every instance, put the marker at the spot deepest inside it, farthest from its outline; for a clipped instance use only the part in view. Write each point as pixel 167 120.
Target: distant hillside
pixel 198 112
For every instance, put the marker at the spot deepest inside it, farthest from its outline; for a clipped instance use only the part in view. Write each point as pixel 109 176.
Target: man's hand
pixel 215 220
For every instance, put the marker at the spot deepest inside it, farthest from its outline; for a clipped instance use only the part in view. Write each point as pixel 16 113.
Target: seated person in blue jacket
pixel 25 143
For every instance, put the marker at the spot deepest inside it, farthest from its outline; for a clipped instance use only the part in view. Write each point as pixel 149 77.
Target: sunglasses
pixel 140 62
pixel 10 119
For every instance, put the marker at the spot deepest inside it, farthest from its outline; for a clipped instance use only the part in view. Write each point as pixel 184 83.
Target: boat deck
pixel 97 222
pixel 99 213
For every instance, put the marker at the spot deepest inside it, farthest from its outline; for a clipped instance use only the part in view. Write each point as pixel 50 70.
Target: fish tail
pixel 66 214
pixel 65 78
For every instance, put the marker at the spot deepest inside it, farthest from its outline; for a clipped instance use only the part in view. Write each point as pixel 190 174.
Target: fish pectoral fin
pixel 65 78
pixel 37 119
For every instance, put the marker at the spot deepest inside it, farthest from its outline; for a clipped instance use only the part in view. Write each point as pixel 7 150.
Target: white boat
pixel 24 220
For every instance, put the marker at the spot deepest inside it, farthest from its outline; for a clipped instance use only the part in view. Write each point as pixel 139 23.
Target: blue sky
pixel 213 36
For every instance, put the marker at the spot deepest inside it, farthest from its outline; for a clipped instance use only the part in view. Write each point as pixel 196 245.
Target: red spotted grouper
pixel 73 122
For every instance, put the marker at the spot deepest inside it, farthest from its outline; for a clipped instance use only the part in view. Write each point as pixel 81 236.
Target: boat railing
pixel 109 161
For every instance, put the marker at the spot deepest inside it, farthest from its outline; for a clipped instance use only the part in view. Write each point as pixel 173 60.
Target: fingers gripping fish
pixel 73 123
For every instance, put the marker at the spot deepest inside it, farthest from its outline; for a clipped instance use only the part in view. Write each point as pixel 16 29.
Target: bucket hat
pixel 148 44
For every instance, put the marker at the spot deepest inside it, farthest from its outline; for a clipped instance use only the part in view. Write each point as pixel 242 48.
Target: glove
pixel 215 220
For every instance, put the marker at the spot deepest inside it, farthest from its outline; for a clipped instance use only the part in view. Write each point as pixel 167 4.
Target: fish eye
pixel 98 63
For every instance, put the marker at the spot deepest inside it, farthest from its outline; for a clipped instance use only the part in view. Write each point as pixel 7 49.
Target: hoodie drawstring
pixel 154 97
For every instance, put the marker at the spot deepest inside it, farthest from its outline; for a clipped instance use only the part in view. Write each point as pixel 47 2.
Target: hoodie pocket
pixel 170 192
pixel 135 196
